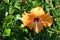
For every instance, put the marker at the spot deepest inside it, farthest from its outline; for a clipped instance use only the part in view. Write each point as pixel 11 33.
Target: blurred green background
pixel 10 23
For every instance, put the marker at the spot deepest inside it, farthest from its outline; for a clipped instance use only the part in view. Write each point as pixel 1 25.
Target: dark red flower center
pixel 36 19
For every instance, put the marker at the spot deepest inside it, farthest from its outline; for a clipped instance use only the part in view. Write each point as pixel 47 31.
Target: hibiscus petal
pixel 37 11
pixel 46 20
pixel 26 19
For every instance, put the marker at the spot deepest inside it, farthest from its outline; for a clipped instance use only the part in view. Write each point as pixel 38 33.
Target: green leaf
pixel 7 1
pixel 13 38
pixel 18 17
pixel 6 32
pixel 25 30
pixel 17 5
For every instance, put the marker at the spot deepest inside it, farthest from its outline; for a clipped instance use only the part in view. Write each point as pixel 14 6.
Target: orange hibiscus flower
pixel 36 19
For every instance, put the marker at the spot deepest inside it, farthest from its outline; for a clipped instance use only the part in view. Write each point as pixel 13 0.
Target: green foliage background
pixel 10 23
